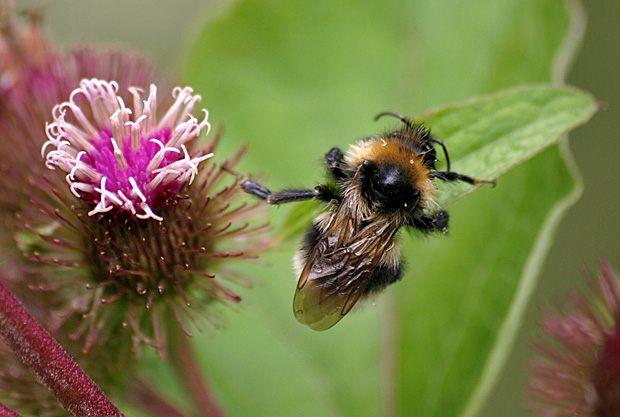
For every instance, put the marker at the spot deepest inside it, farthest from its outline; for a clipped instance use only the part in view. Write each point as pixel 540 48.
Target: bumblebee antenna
pixel 445 151
pixel 398 116
pixel 411 126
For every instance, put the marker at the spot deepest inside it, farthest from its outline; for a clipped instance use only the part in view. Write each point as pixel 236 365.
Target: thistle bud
pixel 578 369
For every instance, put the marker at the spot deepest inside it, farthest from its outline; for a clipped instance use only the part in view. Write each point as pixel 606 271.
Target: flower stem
pixel 186 366
pixel 148 399
pixel 7 412
pixel 52 365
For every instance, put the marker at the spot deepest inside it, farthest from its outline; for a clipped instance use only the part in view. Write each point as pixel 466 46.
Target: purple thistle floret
pixel 127 159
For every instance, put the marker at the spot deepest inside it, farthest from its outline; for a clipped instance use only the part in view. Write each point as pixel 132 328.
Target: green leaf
pixel 292 80
pixel 484 273
pixel 488 136
pixel 456 308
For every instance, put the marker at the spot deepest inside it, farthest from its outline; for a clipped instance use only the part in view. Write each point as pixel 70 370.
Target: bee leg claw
pixel 323 193
pixel 333 159
pixel 253 188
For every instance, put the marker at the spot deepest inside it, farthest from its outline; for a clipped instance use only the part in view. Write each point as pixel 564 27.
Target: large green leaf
pixel 293 79
pixel 455 310
pixel 469 288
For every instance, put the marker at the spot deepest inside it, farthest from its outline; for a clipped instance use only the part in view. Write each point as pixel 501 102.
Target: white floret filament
pixel 69 141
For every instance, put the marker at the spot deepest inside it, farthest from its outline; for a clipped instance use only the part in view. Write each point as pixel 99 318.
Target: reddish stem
pixel 143 395
pixel 7 412
pixel 54 368
pixel 188 369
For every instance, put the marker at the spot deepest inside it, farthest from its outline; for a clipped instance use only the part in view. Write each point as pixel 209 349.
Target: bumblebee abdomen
pixel 383 276
pixel 312 235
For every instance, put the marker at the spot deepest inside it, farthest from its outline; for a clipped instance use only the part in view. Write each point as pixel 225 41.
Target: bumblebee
pixel 350 252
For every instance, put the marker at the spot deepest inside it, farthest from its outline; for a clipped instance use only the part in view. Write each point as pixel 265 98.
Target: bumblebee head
pixel 394 171
pixel 387 185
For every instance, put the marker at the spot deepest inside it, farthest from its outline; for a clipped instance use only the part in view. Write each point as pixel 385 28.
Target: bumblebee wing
pixel 338 270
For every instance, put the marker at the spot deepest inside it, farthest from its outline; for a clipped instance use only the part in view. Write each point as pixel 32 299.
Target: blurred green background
pixel 591 227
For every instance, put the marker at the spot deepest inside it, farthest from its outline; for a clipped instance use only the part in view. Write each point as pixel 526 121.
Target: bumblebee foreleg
pixel 451 176
pixel 333 159
pixel 319 192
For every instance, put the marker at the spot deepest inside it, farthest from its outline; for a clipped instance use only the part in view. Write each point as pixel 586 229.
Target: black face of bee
pixel 387 185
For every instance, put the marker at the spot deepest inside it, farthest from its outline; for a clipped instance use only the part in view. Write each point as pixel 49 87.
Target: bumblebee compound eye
pixel 388 185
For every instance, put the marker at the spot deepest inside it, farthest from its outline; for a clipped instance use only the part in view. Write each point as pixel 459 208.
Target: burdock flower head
pixel 147 219
pixel 132 232
pixel 578 373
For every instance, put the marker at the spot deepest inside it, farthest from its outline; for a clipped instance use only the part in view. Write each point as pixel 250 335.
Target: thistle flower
pixel 118 236
pixel 34 77
pixel 153 215
pixel 122 240
pixel 578 373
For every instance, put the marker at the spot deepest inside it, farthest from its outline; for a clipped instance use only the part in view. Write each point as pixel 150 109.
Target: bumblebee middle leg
pixel 319 192
pixel 438 221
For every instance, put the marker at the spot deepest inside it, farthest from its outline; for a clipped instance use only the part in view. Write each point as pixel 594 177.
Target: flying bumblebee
pixel 350 252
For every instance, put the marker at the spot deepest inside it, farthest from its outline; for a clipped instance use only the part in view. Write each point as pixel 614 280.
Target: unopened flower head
pixel 578 371
pixel 121 158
